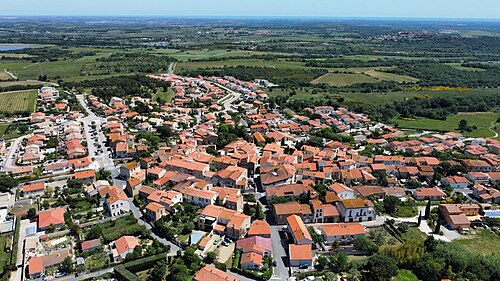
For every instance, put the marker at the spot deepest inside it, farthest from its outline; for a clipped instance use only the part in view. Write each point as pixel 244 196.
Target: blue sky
pixel 476 9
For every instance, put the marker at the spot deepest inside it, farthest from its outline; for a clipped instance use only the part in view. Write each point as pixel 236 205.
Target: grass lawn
pixel 167 96
pixel 485 122
pixel 414 233
pixel 3 129
pixel 391 77
pixel 343 79
pixel 405 275
pixel 96 261
pixel 127 225
pixel 484 242
pixel 18 101
pixel 406 212
pixel 4 258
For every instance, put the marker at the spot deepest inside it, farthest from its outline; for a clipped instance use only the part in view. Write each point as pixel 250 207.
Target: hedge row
pixel 125 271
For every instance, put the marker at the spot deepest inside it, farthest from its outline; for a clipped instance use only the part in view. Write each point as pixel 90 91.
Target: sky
pixel 462 9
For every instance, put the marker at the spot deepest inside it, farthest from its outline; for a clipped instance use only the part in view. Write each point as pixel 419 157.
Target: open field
pixel 481 243
pixel 18 101
pixel 391 77
pixel 460 67
pixel 239 62
pixel 4 76
pixel 167 96
pixel 414 233
pixel 17 83
pixel 342 79
pixel 485 122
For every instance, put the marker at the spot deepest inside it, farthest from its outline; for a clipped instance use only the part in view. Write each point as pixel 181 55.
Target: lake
pixel 15 47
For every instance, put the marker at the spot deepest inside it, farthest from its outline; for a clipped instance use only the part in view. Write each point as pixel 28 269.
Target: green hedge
pixel 124 272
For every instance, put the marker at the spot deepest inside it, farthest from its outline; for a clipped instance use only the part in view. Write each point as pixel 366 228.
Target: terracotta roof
pixel 54 217
pixel 251 257
pixel 259 227
pixel 90 244
pixel 341 229
pixel 298 228
pixel 354 203
pixel 125 243
pixel 40 186
pixel 35 265
pixel 84 174
pixel 300 252
pixel 210 273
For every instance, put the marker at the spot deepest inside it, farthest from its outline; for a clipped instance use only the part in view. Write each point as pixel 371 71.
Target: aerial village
pixel 254 191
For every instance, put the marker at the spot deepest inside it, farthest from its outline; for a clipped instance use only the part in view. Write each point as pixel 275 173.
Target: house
pixel 90 245
pixel 298 230
pixel 477 165
pixel 260 228
pixel 300 255
pixel 356 210
pixel 54 217
pixel 154 211
pixel 187 167
pixel 478 177
pixel 366 191
pixel 209 272
pixel 116 202
pixel 251 261
pixel 199 197
pixel 33 189
pixel 290 190
pixel 455 182
pixel 129 169
pixel 87 176
pixel 238 226
pixel 344 233
pixel 283 210
pixel 133 186
pixel 257 244
pixel 342 191
pixel 37 265
pixel 123 246
pixel 456 215
pixel 430 193
pixel 232 176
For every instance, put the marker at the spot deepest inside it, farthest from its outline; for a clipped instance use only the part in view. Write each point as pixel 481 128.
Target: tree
pixel 362 243
pixel 67 265
pixel 391 204
pixel 381 268
pixel 31 213
pixel 165 131
pixel 7 183
pixel 341 262
pixel 211 257
pixel 158 272
pixel 462 125
pixel 419 218
pixel 437 229
pixel 95 232
pixel 259 213
pixel 180 272
pixel 428 209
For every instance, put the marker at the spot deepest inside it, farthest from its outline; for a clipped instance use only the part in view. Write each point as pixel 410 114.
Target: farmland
pixel 484 121
pixel 344 79
pixel 18 102
pixel 391 77
pixel 480 243
pixel 239 62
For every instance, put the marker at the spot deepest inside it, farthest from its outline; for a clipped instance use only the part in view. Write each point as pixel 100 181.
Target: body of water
pixel 15 47
pixel 495 214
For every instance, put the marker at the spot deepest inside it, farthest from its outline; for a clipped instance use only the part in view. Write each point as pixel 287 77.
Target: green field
pixel 18 101
pixel 167 96
pixel 414 233
pixel 343 79
pixel 485 122
pixel 239 62
pixel 4 258
pixel 464 68
pixel 484 242
pixel 391 77
pixel 405 275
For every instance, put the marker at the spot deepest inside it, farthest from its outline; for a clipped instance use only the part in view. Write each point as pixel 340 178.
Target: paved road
pixel 279 254
pixel 104 159
pixel 228 102
pixel 10 161
pixel 138 215
pixel 171 68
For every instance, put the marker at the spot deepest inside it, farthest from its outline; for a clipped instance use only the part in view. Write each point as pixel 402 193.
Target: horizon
pixel 322 9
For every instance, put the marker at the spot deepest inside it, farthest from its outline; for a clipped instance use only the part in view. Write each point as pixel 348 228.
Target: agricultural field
pixel 391 77
pixel 343 79
pixel 481 242
pixel 191 65
pixel 4 76
pixel 485 122
pixel 464 68
pixel 18 101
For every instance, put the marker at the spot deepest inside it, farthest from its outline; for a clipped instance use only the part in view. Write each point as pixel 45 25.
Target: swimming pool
pixel 196 236
pixel 495 214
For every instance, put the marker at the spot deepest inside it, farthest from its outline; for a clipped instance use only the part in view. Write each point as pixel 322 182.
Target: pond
pixel 16 47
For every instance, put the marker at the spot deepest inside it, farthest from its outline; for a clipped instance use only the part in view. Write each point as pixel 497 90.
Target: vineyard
pixel 18 102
